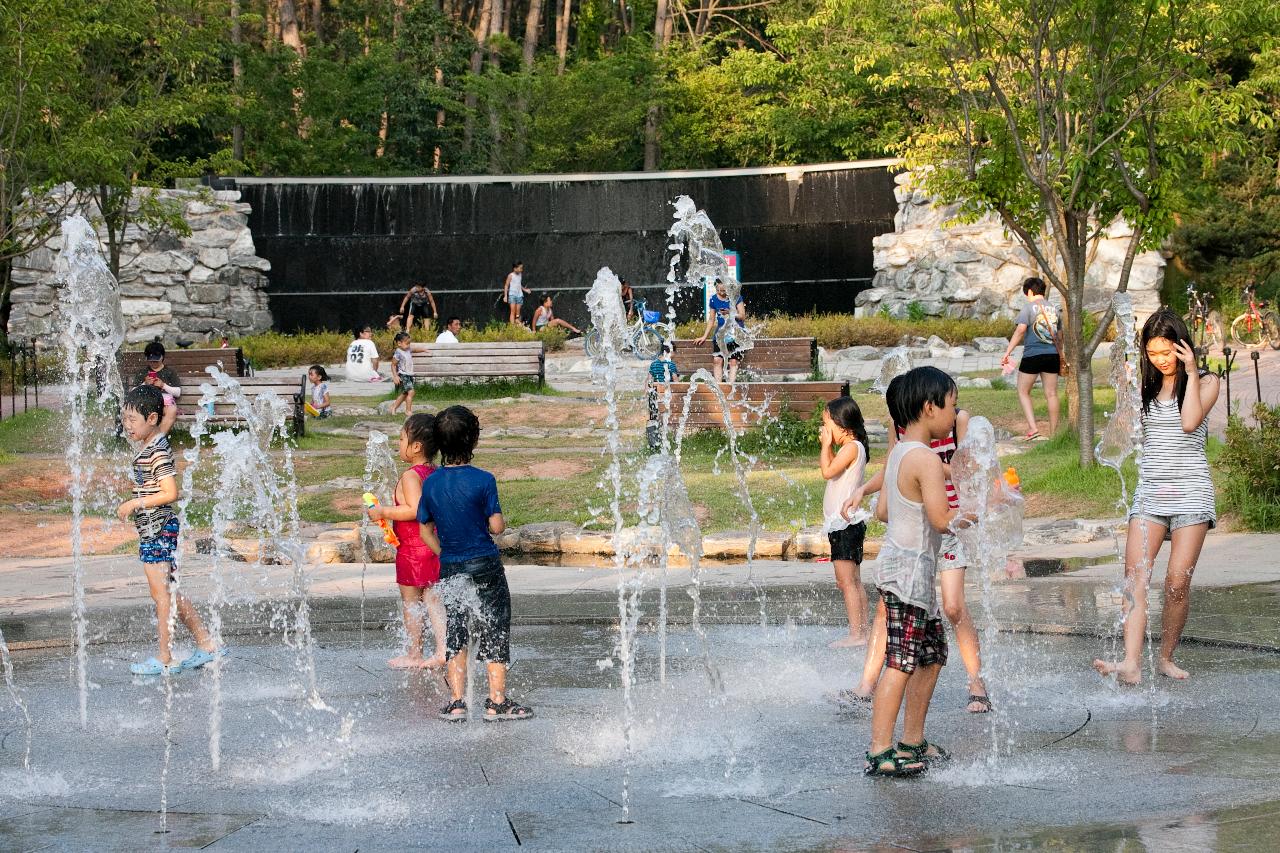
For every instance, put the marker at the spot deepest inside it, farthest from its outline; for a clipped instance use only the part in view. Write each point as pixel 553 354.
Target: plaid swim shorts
pixel 914 638
pixel 161 547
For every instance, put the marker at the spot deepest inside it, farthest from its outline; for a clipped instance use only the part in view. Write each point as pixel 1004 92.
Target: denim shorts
pixel 1173 522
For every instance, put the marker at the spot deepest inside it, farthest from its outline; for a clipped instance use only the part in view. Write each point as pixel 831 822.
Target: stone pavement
pixel 1244 388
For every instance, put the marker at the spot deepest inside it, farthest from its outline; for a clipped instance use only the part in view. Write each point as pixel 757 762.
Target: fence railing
pixel 21 380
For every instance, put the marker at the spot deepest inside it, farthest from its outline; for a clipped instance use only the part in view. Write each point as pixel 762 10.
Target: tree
pixel 1062 116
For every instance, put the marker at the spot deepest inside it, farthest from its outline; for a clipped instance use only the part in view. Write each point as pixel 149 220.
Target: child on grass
pixel 842 425
pixel 914 504
pixel 402 373
pixel 155 488
pixel 320 406
pixel 417 566
pixel 459 513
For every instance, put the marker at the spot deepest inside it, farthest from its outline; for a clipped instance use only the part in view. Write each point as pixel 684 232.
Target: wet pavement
pixel 761 761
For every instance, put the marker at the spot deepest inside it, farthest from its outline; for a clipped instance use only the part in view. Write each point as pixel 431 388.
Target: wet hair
pixel 909 391
pixel 457 431
pixel 1034 285
pixel 420 429
pixel 844 413
pixel 400 336
pixel 451 319
pixel 146 400
pixel 1166 324
pixel 155 349
pixel 320 371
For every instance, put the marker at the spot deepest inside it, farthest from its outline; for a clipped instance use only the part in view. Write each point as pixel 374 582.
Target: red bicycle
pixel 1258 325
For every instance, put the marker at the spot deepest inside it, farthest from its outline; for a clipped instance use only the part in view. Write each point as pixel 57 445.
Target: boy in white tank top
pixel 914 503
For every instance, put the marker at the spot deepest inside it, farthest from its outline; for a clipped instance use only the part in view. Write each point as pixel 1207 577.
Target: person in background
pixel 513 293
pixel 1039 324
pixel 662 370
pixel 628 299
pixel 450 333
pixel 319 405
pixel 402 373
pixel 718 312
pixel 157 375
pixel 415 305
pixel 362 358
pixel 544 317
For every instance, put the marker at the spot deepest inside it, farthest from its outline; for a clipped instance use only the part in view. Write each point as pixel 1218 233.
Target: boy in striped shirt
pixel 155 488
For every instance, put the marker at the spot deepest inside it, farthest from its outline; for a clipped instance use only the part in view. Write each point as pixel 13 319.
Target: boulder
pixel 586 542
pixel 990 345
pixel 810 542
pixel 544 537
pixel 213 258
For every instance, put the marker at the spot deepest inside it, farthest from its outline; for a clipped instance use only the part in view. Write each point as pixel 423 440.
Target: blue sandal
pixel 200 657
pixel 152 666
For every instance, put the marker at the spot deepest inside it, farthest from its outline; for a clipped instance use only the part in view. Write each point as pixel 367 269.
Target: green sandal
pixel 902 765
pixel 920 752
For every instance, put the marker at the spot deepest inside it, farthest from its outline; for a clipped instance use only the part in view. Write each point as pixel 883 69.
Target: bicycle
pixel 644 337
pixel 1258 325
pixel 1205 323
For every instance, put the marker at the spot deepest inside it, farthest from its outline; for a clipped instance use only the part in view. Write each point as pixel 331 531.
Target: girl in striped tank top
pixel 1174 499
pixel 951 566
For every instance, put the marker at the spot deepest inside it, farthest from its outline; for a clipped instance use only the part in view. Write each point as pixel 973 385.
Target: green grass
pixel 32 431
pixel 837 331
pixel 461 392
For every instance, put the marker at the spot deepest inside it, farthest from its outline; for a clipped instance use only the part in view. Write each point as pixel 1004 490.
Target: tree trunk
pixel 317 13
pixel 237 71
pixel 652 149
pixel 532 21
pixel 481 34
pixel 562 35
pixel 289 33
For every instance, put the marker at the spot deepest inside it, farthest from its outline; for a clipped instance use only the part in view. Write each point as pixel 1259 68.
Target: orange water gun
pixel 388 533
pixel 1011 477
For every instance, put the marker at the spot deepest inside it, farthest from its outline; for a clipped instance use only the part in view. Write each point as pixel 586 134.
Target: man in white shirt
pixel 362 358
pixel 450 333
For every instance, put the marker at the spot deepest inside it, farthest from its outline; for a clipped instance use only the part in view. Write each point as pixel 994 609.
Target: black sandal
pixel 985 701
pixel 902 765
pixel 920 752
pixel 506 710
pixel 448 711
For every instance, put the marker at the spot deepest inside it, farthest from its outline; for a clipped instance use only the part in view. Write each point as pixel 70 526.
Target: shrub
pixel 1251 458
pixel 837 331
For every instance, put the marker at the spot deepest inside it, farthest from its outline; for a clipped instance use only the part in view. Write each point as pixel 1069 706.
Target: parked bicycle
pixel 1205 323
pixel 1258 325
pixel 644 338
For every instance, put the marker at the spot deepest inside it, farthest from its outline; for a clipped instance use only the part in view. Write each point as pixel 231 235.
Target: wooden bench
pixel 769 356
pixel 293 392
pixel 187 363
pixel 497 360
pixel 749 402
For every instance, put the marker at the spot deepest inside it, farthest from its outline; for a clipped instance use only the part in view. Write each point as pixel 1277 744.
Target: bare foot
pixel 1169 669
pixel 433 662
pixel 847 642
pixel 1124 673
pixel 406 662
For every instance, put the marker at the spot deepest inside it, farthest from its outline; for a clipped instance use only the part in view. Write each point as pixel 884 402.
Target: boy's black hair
pixel 1034 285
pixel 320 371
pixel 844 413
pixel 457 431
pixel 146 400
pixel 360 330
pixel 400 336
pixel 908 393
pixel 421 428
pixel 155 349
pixel 449 322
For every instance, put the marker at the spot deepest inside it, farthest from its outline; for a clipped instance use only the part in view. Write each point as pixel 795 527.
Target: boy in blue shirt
pixel 459 514
pixel 661 371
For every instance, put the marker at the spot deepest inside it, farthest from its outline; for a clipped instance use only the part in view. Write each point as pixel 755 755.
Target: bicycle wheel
pixel 1246 331
pixel 1271 328
pixel 591 342
pixel 1213 337
pixel 647 344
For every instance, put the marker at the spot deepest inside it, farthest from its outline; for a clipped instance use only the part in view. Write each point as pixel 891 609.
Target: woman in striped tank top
pixel 1174 499
pixel 951 566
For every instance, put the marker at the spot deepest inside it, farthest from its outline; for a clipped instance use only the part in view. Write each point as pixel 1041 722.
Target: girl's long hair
pixel 1164 323
pixel 844 413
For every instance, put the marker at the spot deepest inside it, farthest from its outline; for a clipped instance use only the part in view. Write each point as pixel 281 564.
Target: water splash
pixel 1122 434
pixel 695 241
pixel 893 363
pixel 6 666
pixel 92 335
pixel 380 478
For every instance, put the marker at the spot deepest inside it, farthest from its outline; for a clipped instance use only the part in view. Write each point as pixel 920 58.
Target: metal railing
pixel 23 379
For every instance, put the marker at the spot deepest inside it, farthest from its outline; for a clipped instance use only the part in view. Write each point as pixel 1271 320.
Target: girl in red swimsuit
pixel 417 566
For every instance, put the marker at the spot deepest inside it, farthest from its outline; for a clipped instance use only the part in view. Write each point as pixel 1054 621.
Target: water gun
pixel 1011 477
pixel 388 534
pixel 314 412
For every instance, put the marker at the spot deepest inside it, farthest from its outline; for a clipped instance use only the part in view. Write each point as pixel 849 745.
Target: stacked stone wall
pixel 208 282
pixel 977 269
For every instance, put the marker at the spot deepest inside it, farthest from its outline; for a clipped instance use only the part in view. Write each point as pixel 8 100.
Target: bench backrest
pixel 290 390
pixel 749 402
pixel 769 356
pixel 479 360
pixel 186 362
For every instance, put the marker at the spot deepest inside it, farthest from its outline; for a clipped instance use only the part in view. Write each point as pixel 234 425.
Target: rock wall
pixel 976 270
pixel 170 286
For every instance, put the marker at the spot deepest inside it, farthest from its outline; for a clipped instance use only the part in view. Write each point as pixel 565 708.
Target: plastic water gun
pixel 313 411
pixel 1011 477
pixel 388 534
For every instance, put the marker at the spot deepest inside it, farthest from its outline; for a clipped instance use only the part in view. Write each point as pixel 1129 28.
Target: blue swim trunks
pixel 162 547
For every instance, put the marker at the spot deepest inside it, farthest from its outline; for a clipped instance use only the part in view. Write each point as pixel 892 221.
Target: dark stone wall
pixel 343 254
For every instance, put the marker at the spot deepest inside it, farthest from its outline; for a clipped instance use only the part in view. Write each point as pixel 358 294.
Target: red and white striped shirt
pixel 945 448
